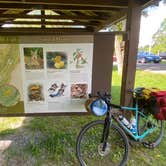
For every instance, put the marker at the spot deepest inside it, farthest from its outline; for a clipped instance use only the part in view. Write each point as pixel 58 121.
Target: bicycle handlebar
pixel 104 96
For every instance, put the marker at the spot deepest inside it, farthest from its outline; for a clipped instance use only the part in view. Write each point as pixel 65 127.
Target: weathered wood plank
pixel 45 31
pixel 75 23
pixel 102 62
pixel 129 66
pixel 81 17
pixel 114 18
pixel 20 6
pixel 103 3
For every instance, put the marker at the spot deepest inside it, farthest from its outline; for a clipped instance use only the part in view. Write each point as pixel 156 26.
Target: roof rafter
pixel 112 19
pixel 95 3
pixel 44 31
pixel 57 7
pixel 81 17
pixel 75 23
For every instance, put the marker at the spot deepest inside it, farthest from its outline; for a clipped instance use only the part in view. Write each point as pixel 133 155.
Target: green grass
pixel 148 79
pixel 163 62
pixel 51 140
pixel 9 125
pixel 142 79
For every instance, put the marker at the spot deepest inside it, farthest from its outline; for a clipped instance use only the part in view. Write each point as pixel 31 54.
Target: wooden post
pixel 43 19
pixel 131 47
pixel 102 62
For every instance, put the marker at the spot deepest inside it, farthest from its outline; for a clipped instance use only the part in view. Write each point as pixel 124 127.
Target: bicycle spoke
pixel 91 147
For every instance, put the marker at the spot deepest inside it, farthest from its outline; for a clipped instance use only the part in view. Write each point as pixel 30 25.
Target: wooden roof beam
pixel 75 23
pixel 114 19
pixel 13 6
pixel 45 31
pixel 95 3
pixel 146 3
pixel 24 16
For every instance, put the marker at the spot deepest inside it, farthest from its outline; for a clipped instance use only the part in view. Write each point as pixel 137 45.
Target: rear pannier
pixel 161 101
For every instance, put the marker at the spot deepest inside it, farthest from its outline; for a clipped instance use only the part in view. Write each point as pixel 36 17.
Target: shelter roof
pixel 60 16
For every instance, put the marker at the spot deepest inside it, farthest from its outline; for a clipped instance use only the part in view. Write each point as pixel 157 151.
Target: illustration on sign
pixel 56 60
pixel 35 93
pixel 11 91
pixel 78 58
pixel 79 90
pixel 9 95
pixel 57 90
pixel 33 58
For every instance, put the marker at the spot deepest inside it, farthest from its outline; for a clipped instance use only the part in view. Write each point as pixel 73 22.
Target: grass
pixel 51 140
pixel 142 79
pixel 9 125
pixel 163 61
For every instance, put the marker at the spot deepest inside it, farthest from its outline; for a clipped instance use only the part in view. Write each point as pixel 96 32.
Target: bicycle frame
pixel 136 136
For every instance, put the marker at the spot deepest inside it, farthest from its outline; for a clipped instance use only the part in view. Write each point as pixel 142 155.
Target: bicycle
pixel 102 142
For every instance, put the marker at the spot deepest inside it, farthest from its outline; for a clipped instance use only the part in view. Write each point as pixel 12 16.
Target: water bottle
pixel 133 125
pixel 124 121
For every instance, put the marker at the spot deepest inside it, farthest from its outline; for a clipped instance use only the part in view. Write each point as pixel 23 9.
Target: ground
pixel 50 141
pixel 153 67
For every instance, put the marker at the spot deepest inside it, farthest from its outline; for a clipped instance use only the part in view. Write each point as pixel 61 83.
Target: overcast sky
pixel 150 24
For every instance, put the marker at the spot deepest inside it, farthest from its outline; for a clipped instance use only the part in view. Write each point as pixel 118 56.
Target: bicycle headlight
pixel 98 107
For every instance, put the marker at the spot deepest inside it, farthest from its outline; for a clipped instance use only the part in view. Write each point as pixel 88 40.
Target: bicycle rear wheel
pixel 89 146
pixel 153 139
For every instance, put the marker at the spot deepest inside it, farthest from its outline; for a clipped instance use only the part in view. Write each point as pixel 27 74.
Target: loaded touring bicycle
pixel 103 142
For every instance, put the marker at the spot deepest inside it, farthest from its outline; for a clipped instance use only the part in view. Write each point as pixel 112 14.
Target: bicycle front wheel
pixel 89 146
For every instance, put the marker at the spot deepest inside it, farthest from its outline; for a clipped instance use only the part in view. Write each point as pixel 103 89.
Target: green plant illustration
pixel 79 59
pixel 10 57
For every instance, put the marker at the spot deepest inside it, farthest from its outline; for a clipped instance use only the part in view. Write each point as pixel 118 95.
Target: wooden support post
pixel 131 47
pixel 43 20
pixel 102 62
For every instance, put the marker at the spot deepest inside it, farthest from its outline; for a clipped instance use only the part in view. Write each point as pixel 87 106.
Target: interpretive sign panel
pixel 44 78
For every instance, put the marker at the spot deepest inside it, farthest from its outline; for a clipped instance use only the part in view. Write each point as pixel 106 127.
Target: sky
pixel 150 24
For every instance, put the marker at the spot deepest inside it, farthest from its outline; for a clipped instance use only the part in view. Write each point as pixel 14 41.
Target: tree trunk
pixel 119 52
pixel 119 46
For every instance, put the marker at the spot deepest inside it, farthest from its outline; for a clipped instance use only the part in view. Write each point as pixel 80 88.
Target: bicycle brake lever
pixel 89 95
pixel 99 94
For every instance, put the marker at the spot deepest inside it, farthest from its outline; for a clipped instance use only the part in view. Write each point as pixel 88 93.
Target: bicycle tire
pixel 93 142
pixel 153 139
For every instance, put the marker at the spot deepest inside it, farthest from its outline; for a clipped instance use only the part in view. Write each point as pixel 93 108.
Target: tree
pixel 119 44
pixel 159 39
pixel 144 48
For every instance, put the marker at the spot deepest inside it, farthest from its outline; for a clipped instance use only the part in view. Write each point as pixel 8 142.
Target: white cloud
pixel 150 24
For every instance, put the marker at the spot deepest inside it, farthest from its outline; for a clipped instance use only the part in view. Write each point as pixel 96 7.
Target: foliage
pixel 159 39
pixel 144 48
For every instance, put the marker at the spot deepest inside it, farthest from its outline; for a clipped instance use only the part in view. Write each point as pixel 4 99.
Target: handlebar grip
pixel 99 94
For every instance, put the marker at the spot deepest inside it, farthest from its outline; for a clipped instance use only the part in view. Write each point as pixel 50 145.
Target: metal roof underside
pixel 60 16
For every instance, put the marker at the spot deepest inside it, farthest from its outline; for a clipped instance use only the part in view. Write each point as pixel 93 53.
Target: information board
pixel 44 78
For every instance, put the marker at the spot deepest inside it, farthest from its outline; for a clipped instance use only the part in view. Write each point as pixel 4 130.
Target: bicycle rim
pixel 153 139
pixel 89 151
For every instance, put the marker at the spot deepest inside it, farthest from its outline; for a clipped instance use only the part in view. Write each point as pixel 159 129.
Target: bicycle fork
pixel 105 133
